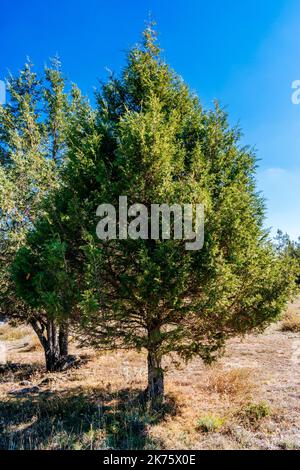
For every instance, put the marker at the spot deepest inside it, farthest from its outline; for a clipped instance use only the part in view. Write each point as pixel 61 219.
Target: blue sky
pixel 244 53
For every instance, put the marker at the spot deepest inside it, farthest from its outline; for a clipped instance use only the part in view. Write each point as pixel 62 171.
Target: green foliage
pixel 43 271
pixel 47 271
pixel 158 145
pixel 152 141
pixel 255 412
pixel 210 423
pixel 33 141
pixel 288 248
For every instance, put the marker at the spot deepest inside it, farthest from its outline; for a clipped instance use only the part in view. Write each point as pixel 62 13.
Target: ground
pixel 248 400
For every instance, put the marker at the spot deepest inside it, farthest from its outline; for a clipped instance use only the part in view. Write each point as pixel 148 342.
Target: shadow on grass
pixel 76 419
pixel 14 372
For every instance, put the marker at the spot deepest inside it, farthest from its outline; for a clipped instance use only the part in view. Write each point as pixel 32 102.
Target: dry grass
pixel 77 419
pixel 11 333
pixel 249 400
pixel 238 383
pixel 20 337
pixel 291 322
pixel 100 405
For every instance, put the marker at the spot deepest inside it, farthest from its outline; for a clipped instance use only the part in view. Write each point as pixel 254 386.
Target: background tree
pixel 289 248
pixel 47 270
pixel 33 127
pixel 153 142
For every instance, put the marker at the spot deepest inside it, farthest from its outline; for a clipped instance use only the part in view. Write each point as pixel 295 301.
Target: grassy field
pixel 250 399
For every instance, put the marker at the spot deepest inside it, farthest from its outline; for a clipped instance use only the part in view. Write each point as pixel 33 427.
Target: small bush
pixel 255 412
pixel 210 423
pixel 234 382
pixel 291 322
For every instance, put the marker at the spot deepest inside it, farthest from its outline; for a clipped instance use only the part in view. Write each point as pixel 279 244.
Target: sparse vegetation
pixel 291 322
pixel 100 404
pixel 10 333
pixel 210 423
pixel 255 412
pixel 236 383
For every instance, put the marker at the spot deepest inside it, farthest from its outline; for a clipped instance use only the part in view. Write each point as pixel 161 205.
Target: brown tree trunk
pixel 155 389
pixel 52 350
pixel 54 339
pixel 63 339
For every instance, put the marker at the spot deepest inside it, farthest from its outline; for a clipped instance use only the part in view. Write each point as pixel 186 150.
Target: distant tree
pixel 289 248
pixel 33 127
pixel 153 142
pixel 296 256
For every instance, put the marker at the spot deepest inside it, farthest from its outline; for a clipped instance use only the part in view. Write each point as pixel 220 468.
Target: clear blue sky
pixel 245 53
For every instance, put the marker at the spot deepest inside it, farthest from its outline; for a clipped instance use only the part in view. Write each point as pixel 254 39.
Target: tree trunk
pixel 54 339
pixel 155 389
pixel 52 351
pixel 63 339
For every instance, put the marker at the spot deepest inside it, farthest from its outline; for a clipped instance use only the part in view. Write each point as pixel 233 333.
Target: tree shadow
pixel 76 419
pixel 14 372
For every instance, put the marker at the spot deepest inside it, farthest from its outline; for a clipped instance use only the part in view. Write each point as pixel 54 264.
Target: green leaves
pixel 151 140
pixel 33 142
pixel 42 277
pixel 159 145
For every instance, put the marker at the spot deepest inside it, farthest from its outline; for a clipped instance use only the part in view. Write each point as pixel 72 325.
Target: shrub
pixel 210 423
pixel 235 382
pixel 255 412
pixel 291 322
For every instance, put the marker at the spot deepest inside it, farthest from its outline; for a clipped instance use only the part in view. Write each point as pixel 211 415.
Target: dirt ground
pixel 250 399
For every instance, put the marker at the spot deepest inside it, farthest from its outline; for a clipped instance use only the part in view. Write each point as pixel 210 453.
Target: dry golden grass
pixel 205 404
pixel 34 345
pixel 236 383
pixel 291 322
pixel 20 337
pixel 99 404
pixel 11 333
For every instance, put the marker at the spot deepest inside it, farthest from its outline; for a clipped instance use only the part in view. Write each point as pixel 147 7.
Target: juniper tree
pixel 32 147
pixel 159 146
pixel 154 143
pixel 289 248
pixel 47 270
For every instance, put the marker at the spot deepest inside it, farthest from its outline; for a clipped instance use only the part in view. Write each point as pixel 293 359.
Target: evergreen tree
pixel 160 146
pixel 289 248
pixel 32 148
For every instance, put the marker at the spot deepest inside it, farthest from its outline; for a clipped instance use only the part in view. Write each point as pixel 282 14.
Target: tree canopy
pixel 33 142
